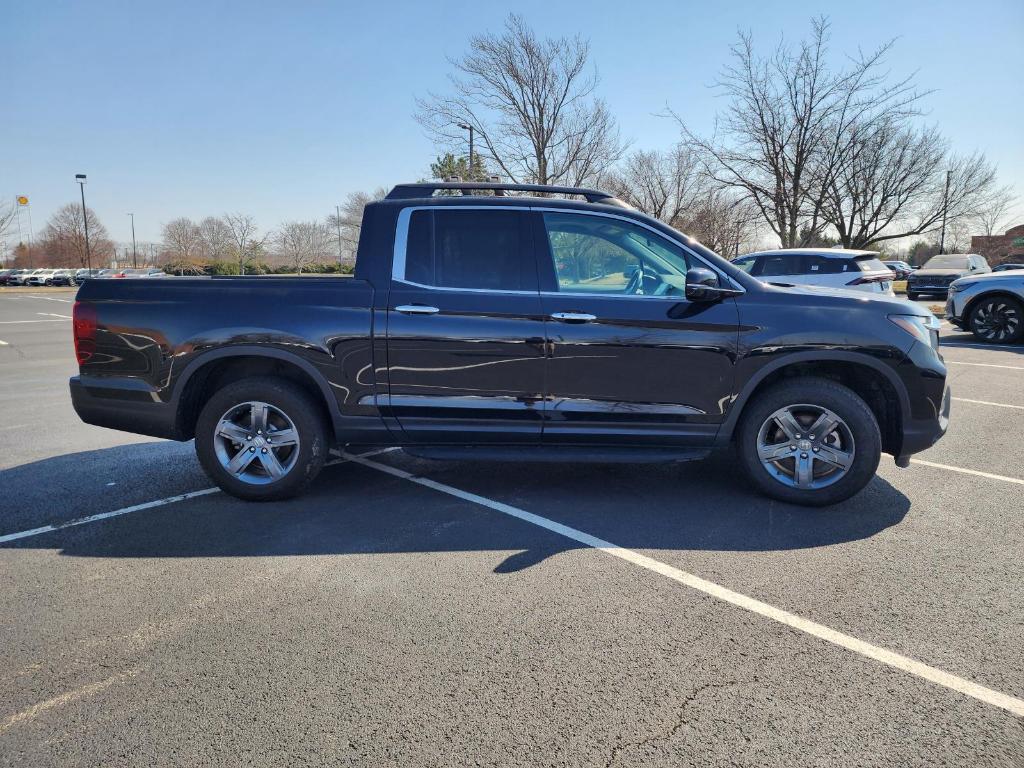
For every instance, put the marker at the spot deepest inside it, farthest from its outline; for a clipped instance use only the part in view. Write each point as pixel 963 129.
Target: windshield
pixel 947 262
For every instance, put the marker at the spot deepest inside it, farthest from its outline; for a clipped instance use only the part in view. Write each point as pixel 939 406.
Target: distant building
pixel 1000 248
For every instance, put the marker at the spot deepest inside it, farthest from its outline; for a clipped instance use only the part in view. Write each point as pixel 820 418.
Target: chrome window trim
pixel 398 262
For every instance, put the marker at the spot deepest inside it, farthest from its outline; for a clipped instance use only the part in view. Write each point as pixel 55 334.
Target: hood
pixel 1014 275
pixel 852 299
pixel 941 272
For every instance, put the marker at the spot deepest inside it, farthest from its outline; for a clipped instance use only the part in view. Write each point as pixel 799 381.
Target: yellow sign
pixel 22 200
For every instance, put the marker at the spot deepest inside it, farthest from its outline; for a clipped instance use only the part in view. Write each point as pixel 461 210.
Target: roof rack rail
pixel 427 189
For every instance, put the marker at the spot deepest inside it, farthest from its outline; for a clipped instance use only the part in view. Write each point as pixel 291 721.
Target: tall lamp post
pixel 135 258
pixel 337 222
pixel 945 208
pixel 468 127
pixel 80 178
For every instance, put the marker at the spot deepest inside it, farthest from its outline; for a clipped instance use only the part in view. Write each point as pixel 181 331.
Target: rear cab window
pixel 470 249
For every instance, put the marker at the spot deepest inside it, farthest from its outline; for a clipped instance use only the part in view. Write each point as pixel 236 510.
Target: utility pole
pixel 80 178
pixel 945 208
pixel 337 221
pixel 135 256
pixel 468 127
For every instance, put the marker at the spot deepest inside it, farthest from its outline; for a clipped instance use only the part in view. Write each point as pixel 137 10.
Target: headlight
pixel 924 329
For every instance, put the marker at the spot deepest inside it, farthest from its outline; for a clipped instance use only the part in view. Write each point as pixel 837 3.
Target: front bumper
pixel 921 434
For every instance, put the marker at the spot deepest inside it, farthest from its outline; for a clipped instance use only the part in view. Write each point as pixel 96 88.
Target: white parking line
pixel 51 298
pixel 52 314
pixel 22 322
pixel 147 505
pixel 105 515
pixel 956 344
pixel 986 365
pixel 4 343
pixel 986 402
pixel 898 661
pixel 965 471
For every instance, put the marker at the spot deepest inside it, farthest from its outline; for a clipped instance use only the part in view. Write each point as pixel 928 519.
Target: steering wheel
pixel 635 283
pixel 662 288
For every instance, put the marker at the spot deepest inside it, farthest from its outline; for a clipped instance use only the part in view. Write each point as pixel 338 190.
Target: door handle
pixel 573 317
pixel 416 309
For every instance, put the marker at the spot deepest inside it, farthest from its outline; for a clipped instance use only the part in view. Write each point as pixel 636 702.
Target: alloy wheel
pixel 805 446
pixel 256 442
pixel 996 320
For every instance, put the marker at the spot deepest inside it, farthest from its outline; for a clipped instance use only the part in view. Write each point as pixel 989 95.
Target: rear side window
pixel 871 265
pixel 828 265
pixel 777 264
pixel 479 249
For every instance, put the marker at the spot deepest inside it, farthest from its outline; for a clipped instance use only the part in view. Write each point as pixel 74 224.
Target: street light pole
pixel 945 208
pixel 80 178
pixel 337 222
pixel 135 257
pixel 468 127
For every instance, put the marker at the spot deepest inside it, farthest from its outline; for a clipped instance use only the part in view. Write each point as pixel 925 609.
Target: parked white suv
pixel 831 267
pixel 41 277
pixel 990 305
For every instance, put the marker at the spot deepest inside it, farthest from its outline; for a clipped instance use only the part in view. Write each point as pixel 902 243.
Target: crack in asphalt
pixel 680 721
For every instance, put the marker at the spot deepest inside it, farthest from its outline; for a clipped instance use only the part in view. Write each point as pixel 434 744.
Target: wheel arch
pixel 973 301
pixel 214 369
pixel 876 384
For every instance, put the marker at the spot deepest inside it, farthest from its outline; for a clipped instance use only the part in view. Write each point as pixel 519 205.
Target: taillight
pixel 83 324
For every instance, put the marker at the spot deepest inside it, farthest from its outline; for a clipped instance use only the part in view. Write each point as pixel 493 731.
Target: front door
pixel 465 330
pixel 632 361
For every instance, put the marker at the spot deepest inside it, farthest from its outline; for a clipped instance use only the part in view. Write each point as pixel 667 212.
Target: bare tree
pixel 216 239
pixel 244 236
pixel 661 184
pixel 182 240
pixel 993 210
pixel 301 243
pixel 531 103
pixel 787 123
pixel 8 216
pixel 62 240
pixel 351 220
pixel 893 183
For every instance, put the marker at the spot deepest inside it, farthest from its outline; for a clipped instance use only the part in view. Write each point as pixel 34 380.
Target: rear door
pixel 632 361
pixel 465 331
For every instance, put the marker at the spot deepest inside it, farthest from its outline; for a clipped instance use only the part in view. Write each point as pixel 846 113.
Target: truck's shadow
pixel 353 509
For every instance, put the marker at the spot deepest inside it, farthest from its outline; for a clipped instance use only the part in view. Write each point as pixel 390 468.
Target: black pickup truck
pixel 555 325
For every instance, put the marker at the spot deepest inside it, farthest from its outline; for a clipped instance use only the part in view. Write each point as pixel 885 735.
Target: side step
pixel 555 453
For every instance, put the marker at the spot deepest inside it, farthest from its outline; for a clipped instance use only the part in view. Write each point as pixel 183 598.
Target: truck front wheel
pixel 809 441
pixel 261 439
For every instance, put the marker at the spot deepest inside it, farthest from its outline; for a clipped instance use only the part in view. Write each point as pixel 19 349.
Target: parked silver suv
pixel 991 306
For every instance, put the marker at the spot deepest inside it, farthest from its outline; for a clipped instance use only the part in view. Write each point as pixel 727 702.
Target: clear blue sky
pixel 281 109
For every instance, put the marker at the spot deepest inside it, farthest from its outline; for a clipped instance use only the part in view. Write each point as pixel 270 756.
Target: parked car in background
pixel 63 277
pixel 22 276
pixel 472 329
pixel 990 305
pixel 41 277
pixel 1007 267
pixel 940 271
pixel 4 273
pixel 85 274
pixel 900 269
pixel 827 267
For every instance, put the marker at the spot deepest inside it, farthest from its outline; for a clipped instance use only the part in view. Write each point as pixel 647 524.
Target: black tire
pixel 290 400
pixel 912 296
pixel 823 393
pixel 48 282
pixel 997 320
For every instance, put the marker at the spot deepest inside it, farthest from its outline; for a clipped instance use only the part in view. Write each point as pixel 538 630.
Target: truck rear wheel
pixel 261 439
pixel 809 441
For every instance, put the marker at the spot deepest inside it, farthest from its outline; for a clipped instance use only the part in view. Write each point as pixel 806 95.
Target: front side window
pixel 469 248
pixel 601 255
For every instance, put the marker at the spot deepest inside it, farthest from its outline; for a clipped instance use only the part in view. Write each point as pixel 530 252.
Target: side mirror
pixel 702 285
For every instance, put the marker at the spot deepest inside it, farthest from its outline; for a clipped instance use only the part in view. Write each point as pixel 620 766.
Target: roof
pixel 845 253
pixel 423 190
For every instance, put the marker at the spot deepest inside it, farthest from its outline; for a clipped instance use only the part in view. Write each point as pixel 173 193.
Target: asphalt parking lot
pixel 408 612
